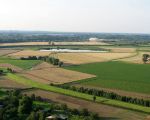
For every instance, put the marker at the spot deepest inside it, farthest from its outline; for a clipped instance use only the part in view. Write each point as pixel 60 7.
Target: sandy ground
pixel 47 74
pixel 75 58
pixel 106 112
pixel 55 43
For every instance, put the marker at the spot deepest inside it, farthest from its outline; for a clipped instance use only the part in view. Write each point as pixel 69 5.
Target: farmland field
pixel 135 59
pixel 121 49
pixel 47 74
pixel 7 51
pixel 117 75
pixel 9 84
pixel 56 43
pixel 24 64
pixel 75 58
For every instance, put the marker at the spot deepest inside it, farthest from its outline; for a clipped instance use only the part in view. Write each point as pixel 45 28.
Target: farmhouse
pixel 57 117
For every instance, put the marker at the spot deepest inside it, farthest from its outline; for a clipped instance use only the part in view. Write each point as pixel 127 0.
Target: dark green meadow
pixel 117 75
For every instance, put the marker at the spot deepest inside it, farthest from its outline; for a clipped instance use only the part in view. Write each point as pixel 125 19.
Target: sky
pixel 117 16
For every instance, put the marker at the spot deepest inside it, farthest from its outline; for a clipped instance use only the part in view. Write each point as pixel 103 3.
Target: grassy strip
pixel 43 104
pixel 102 100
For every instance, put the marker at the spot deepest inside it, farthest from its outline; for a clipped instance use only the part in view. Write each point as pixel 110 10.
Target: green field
pixel 117 75
pixel 102 100
pixel 24 64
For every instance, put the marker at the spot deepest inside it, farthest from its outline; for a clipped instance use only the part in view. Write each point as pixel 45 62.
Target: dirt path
pixel 106 112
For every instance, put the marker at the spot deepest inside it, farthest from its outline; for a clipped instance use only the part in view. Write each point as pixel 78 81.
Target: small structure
pixel 93 39
pixel 57 117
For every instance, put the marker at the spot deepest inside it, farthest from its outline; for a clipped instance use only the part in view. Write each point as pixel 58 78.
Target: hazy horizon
pixel 101 16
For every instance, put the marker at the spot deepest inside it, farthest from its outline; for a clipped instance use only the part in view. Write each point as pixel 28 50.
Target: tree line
pixel 109 95
pixel 51 60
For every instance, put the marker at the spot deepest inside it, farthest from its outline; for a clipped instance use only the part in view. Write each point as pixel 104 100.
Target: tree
pixel 1 72
pixel 145 58
pixel 94 98
pixel 60 64
pixel 85 112
pixel 41 115
pixel 25 105
pixel 33 116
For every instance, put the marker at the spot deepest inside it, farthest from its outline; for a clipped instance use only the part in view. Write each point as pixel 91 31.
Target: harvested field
pixel 136 59
pixel 9 84
pixel 47 74
pixel 75 58
pixel 14 68
pixel 106 112
pixel 27 53
pixel 55 43
pixel 121 49
pixel 7 51
pixel 83 58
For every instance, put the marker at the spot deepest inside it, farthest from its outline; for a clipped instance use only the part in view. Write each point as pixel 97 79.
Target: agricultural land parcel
pixel 46 73
pixel 56 43
pixel 75 58
pixel 117 75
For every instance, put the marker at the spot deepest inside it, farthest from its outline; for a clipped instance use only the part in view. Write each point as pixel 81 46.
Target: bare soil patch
pixel 9 84
pixel 106 112
pixel 47 74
